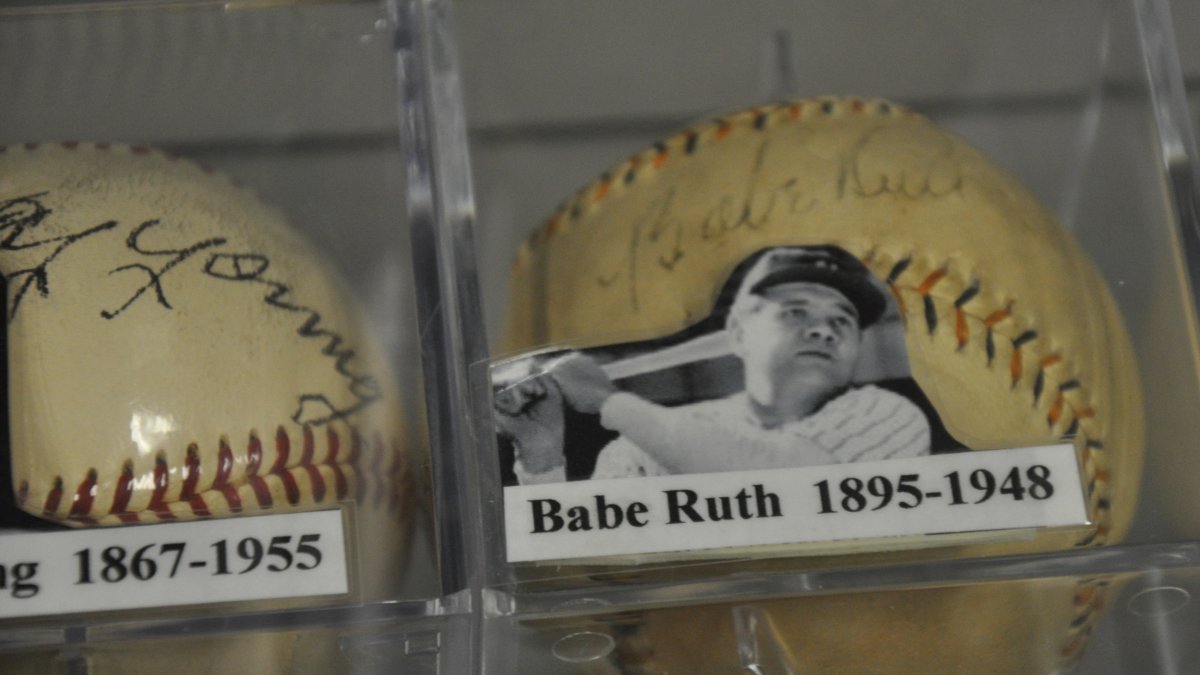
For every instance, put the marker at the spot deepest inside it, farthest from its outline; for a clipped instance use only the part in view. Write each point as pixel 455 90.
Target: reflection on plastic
pixel 1159 601
pixel 391 651
pixel 760 650
pixel 583 647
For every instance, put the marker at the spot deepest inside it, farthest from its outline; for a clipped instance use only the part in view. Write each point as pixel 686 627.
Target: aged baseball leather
pixel 1010 329
pixel 176 350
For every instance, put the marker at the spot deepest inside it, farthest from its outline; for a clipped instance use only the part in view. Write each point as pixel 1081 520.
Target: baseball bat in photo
pixel 704 347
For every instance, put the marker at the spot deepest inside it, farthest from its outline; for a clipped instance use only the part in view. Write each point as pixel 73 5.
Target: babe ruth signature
pixel 661 237
pixel 21 216
pixel 750 209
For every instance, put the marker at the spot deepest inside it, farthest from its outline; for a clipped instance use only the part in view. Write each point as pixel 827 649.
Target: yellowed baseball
pixel 176 350
pixel 1010 330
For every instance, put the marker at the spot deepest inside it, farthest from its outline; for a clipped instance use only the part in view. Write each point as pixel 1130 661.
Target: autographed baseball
pixel 1010 332
pixel 175 351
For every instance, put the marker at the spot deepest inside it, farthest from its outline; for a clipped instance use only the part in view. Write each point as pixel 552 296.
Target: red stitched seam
pixel 83 507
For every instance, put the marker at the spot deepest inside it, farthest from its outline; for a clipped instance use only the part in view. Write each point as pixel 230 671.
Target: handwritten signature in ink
pixel 21 216
pixel 314 408
pixel 749 208
pixel 154 281
pixel 930 169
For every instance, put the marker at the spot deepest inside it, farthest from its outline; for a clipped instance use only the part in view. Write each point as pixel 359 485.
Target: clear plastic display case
pixel 419 157
pixel 258 141
pixel 1094 124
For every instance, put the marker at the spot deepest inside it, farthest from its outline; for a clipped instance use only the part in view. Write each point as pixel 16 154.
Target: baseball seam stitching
pixel 1075 418
pixel 133 149
pixel 688 142
pixel 998 321
pixel 760 118
pixel 368 478
pixel 82 507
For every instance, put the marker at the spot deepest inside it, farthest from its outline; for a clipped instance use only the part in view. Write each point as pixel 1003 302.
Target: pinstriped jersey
pixel 863 424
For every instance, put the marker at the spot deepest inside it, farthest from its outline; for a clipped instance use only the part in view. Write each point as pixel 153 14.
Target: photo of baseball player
pixel 809 342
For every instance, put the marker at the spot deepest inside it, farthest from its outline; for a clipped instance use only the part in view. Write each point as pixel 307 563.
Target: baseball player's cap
pixel 825 265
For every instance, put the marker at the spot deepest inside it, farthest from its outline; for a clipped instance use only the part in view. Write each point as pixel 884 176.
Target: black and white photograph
pixel 802 362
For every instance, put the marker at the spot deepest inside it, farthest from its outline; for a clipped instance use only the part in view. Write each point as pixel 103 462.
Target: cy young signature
pixel 21 218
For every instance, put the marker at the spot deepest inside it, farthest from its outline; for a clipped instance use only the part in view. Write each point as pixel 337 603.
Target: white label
pixel 186 563
pixel 967 492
